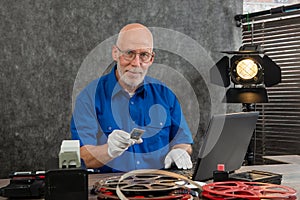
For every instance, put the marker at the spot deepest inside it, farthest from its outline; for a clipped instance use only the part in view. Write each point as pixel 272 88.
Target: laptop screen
pixel 225 142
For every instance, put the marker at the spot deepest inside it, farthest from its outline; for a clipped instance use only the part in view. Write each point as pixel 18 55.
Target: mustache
pixel 136 70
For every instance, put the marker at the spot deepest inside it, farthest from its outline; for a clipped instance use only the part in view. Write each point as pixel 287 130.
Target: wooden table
pixel 290 174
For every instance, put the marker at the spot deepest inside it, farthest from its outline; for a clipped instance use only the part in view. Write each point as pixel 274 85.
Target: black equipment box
pixel 63 184
pixel 257 176
pixel 24 185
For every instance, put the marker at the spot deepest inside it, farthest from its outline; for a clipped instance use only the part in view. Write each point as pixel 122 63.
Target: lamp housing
pixel 250 71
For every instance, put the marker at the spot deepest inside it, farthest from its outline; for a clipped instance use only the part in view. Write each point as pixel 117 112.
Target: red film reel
pixel 247 190
pixel 110 195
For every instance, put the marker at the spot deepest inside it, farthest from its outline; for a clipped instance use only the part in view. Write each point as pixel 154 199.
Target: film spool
pixel 146 185
pixel 247 190
pixel 154 172
pixel 142 183
pixel 142 187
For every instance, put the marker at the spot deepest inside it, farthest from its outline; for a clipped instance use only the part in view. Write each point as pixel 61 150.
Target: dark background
pixel 43 44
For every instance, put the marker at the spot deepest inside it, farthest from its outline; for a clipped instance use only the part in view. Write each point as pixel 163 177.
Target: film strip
pixel 247 190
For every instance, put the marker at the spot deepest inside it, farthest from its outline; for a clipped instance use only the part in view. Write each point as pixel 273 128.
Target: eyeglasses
pixel 129 55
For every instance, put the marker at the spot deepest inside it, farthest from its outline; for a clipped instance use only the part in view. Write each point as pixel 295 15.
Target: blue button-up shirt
pixel 104 106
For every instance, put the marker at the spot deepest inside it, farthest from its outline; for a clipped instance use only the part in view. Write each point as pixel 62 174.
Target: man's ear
pixel 152 59
pixel 114 53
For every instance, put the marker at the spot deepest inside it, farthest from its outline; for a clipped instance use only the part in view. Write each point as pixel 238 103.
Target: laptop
pixel 225 142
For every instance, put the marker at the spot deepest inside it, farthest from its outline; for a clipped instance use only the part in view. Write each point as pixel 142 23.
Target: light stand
pixel 248 72
pixel 249 157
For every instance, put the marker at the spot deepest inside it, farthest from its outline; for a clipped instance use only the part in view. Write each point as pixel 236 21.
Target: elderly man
pixel 110 107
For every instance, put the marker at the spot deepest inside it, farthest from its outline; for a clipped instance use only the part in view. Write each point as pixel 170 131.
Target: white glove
pixel 118 142
pixel 180 157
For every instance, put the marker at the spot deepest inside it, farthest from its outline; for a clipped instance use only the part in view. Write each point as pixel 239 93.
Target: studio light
pixel 250 71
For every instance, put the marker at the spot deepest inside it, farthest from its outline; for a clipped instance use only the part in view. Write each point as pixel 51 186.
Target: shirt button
pixel 137 162
pixel 161 123
pixel 131 102
pixel 109 128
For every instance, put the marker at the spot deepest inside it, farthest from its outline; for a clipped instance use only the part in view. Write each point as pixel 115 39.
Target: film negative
pixel 247 190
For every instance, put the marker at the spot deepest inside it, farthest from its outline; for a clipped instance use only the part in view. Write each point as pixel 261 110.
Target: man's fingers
pixel 180 157
pixel 168 162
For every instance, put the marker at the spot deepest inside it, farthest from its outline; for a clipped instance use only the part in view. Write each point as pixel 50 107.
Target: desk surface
pixel 290 176
pixel 291 159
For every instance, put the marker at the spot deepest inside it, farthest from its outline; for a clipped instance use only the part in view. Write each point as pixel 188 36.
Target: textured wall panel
pixel 44 43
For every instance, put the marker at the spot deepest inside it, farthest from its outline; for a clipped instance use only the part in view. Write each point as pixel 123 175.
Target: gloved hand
pixel 118 142
pixel 180 157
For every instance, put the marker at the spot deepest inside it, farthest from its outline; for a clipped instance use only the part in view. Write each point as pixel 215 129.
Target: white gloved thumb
pixel 180 157
pixel 139 141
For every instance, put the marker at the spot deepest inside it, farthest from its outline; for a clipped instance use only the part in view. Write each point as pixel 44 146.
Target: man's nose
pixel 136 61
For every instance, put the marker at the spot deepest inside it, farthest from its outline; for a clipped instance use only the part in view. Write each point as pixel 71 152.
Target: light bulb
pixel 247 69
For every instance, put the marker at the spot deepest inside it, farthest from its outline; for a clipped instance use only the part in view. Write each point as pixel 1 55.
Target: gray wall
pixel 46 44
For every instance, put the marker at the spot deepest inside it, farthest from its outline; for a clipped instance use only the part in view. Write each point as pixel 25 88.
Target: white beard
pixel 132 80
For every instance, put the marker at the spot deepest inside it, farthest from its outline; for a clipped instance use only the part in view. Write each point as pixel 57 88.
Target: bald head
pixel 135 36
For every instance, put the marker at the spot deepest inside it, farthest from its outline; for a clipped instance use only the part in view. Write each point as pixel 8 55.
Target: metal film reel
pixel 141 183
pixel 144 184
pixel 247 190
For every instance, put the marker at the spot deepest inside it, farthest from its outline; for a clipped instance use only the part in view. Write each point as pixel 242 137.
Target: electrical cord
pixel 1 192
